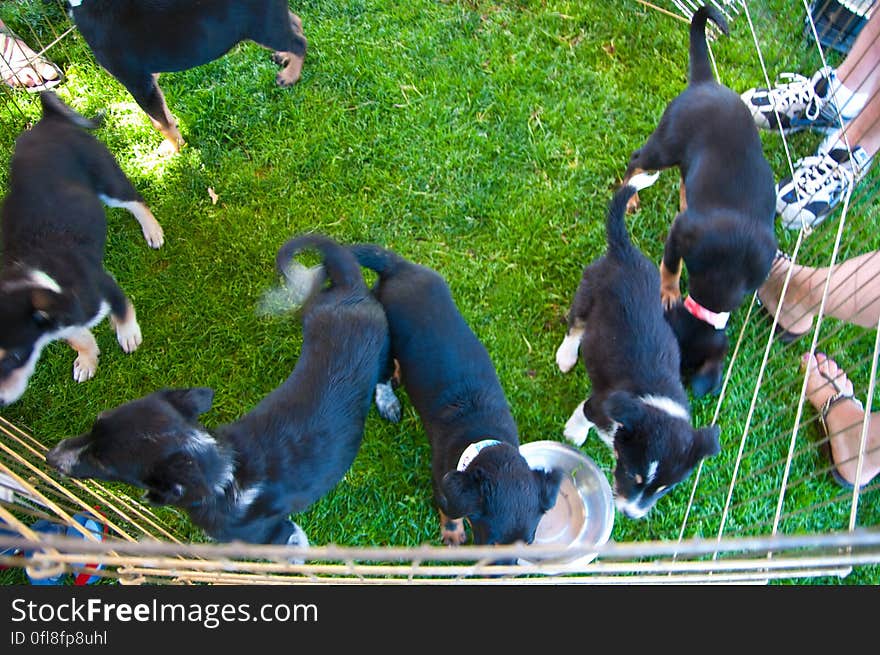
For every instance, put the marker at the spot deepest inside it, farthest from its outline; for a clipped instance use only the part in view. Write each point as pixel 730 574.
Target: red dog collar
pixel 717 320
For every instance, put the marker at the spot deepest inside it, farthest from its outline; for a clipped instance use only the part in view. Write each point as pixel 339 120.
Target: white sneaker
pixel 818 185
pixel 796 103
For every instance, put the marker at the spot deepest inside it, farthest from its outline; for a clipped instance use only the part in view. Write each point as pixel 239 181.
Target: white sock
pixel 848 102
pixel 830 142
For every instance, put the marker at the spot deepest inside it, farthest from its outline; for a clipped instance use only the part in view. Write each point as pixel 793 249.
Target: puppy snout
pixel 61 460
pixel 54 459
pixel 631 508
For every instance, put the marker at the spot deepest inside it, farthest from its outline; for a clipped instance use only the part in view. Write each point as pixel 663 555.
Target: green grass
pixel 481 139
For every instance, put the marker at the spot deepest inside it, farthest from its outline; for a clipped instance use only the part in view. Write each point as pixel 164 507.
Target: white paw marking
pixel 577 427
pixel 154 235
pixel 129 335
pixel 297 539
pixel 387 402
pixel 567 353
pixel 84 367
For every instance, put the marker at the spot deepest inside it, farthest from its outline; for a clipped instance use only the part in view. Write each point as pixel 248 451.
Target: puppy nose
pixel 57 461
pixel 629 507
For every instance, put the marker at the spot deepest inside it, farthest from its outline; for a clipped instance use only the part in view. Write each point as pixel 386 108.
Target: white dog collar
pixel 717 320
pixel 473 450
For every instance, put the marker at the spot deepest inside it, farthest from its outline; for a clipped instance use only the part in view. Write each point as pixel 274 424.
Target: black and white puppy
pixel 637 402
pixel 135 40
pixel 479 474
pixel 724 231
pixel 242 480
pixel 53 284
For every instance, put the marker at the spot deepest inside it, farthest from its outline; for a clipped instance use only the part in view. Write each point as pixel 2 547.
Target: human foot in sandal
pixel 841 416
pixel 22 67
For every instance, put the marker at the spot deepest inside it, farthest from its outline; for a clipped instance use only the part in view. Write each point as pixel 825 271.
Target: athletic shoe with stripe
pixel 818 185
pixel 797 103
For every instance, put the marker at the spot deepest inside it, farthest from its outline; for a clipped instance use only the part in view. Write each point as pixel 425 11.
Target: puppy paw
pixel 281 58
pixel 297 539
pixel 289 75
pixel 670 285
pixel 575 435
pixel 669 296
pixel 154 234
pixel 452 533
pixel 85 366
pixel 284 79
pixel 168 149
pixel 633 204
pixel 565 361
pixel 577 427
pixel 128 334
pixel 387 402
pixel 567 353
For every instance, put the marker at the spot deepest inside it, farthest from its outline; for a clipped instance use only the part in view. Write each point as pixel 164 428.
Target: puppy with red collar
pixel 135 40
pixel 52 282
pixel 724 231
pixel 479 474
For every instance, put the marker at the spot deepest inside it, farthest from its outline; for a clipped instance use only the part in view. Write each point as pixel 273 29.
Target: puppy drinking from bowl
pixel 637 403
pixel 479 475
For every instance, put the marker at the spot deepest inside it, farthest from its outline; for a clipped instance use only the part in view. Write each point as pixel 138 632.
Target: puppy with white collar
pixel 637 404
pixel 478 473
pixel 52 282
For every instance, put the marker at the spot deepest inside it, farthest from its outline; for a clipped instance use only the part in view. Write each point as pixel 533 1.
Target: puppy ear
pixel 706 442
pixel 174 478
pixel 548 484
pixel 50 308
pixel 461 493
pixel 190 402
pixel 623 407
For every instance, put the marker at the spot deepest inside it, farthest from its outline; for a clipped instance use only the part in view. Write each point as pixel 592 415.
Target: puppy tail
pixel 54 106
pixel 339 264
pixel 701 66
pixel 378 259
pixel 616 233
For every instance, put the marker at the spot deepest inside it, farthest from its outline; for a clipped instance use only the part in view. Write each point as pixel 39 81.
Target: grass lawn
pixel 482 139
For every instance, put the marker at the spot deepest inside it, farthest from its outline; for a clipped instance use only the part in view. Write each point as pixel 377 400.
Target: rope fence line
pixel 158 560
pixel 112 501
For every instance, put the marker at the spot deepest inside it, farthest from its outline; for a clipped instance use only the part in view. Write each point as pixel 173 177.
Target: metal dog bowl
pixel 584 511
